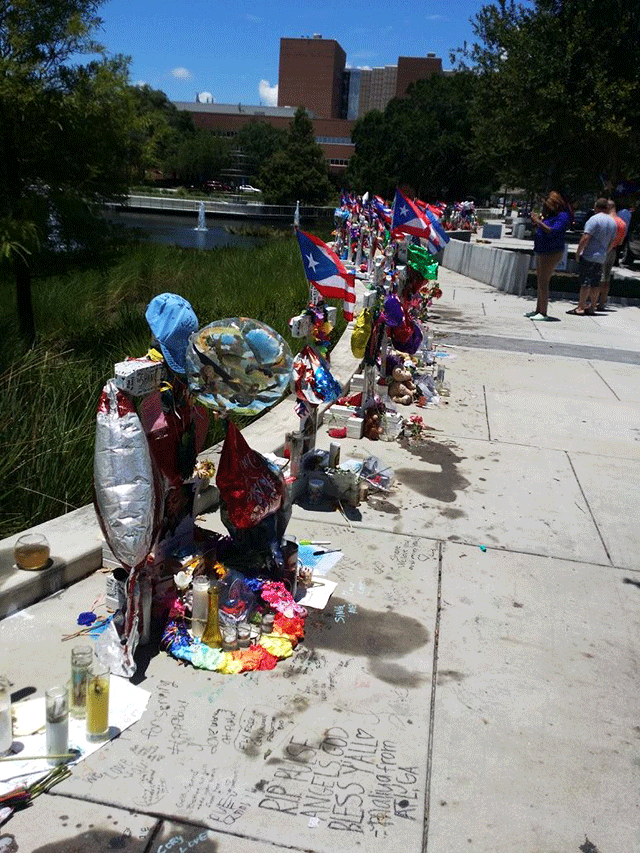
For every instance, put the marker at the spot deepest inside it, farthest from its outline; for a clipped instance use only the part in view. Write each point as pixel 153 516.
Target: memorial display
pixel 230 603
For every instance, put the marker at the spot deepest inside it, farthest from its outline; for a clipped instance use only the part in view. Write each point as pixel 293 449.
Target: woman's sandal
pixel 576 312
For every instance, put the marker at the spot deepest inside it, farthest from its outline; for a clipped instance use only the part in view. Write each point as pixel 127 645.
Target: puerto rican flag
pixel 326 272
pixel 438 238
pixel 381 209
pixel 408 218
pixel 437 209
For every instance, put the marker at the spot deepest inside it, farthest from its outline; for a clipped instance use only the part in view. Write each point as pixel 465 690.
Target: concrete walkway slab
pixel 563 333
pixel 462 320
pixel 324 751
pixel 583 424
pixel 65 825
pixel 503 496
pixel 623 379
pixel 175 837
pixel 536 728
pixel 611 489
pixel 510 371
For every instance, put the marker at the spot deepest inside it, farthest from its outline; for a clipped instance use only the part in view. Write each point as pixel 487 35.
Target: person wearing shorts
pixel 611 257
pixel 599 234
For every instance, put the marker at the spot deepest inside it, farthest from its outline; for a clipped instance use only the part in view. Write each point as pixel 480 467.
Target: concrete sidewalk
pixel 472 684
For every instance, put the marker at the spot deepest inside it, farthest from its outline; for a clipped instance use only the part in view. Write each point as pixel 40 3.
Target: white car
pixel 247 188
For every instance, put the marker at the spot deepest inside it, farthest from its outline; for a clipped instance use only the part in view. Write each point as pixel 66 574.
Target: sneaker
pixel 530 314
pixel 540 317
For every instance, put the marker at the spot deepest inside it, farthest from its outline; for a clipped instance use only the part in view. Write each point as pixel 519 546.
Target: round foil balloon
pixel 238 365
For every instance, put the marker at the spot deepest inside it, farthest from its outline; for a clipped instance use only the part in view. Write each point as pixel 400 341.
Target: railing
pixel 239 206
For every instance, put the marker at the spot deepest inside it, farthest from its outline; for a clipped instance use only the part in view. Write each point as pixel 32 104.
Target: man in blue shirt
pixel 598 237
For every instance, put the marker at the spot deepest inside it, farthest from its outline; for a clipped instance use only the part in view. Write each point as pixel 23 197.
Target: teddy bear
pixel 401 388
pixel 372 428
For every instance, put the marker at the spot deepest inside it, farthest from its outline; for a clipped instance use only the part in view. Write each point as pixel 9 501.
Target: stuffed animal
pixel 372 428
pixel 401 388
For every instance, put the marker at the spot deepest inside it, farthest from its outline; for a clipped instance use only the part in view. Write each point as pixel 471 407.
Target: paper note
pixel 126 705
pixel 320 563
pixel 319 594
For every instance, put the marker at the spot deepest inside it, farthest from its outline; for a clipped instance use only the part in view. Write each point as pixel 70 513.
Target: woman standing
pixel 548 244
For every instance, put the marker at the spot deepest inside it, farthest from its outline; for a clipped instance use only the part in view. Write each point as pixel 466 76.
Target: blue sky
pixel 231 50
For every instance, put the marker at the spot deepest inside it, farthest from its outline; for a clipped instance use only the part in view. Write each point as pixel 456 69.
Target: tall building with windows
pixel 310 75
pixel 313 74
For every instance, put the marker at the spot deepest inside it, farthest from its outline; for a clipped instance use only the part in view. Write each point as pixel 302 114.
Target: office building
pixel 310 75
pixel 313 74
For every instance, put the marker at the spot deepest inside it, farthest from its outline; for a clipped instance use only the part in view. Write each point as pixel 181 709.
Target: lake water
pixel 180 230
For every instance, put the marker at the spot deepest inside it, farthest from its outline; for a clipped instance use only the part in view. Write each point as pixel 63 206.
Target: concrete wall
pixel 503 269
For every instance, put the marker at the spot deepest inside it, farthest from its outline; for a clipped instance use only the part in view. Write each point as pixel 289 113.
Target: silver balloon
pixel 126 492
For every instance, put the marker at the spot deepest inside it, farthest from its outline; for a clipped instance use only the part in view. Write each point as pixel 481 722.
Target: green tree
pixel 258 141
pixel 423 140
pixel 64 133
pixel 200 157
pixel 160 130
pixel 368 167
pixel 558 96
pixel 299 170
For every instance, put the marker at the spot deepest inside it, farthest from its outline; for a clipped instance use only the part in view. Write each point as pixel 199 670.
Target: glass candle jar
pixel 244 635
pixel 6 727
pixel 81 660
pixel 57 730
pixel 305 575
pixel 31 552
pixel 229 638
pixel 200 606
pixel 97 701
pixel 267 622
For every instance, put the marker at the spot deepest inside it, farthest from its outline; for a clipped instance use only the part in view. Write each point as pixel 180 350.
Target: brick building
pixel 313 74
pixel 310 75
pixel 333 135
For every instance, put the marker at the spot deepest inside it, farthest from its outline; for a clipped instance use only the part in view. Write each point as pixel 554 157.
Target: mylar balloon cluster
pixel 238 365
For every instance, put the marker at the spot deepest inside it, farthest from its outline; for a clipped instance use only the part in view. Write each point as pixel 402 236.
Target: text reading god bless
pixel 351 782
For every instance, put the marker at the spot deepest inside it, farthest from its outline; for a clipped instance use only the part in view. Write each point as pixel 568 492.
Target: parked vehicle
pixel 247 188
pixel 216 187
pixel 580 218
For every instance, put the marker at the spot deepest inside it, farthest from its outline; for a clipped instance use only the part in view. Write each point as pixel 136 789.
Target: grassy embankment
pixel 89 319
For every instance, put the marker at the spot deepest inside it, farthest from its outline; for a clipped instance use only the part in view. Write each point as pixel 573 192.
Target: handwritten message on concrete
pixel 327 750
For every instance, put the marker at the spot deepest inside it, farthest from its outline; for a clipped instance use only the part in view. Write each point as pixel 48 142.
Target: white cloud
pixel 364 67
pixel 268 94
pixel 205 98
pixel 140 84
pixel 181 73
